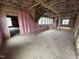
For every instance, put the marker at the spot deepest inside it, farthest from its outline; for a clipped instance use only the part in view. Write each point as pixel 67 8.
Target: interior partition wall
pixel 25 22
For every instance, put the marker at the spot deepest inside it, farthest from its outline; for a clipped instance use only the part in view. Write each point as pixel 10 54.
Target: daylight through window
pixel 65 22
pixel 9 22
pixel 45 20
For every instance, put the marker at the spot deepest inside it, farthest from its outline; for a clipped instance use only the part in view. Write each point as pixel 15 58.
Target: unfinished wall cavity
pixel 26 21
pixel 76 34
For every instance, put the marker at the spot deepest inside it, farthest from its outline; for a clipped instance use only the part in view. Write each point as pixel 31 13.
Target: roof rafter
pixel 46 6
pixel 33 6
pixel 11 5
pixel 7 4
pixel 56 3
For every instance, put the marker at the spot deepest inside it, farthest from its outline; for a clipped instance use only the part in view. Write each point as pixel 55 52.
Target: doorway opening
pixel 13 25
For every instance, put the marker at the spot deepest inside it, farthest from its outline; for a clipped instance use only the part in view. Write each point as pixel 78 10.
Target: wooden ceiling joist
pixel 7 4
pixel 46 6
pixel 22 5
pixel 56 3
pixel 53 7
pixel 33 6
pixel 12 5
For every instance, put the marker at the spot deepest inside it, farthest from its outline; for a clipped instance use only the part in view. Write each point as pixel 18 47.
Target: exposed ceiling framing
pixel 46 6
pixel 56 7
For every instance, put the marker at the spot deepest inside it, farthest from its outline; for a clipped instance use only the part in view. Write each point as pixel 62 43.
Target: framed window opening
pixel 9 21
pixel 65 21
pixel 45 21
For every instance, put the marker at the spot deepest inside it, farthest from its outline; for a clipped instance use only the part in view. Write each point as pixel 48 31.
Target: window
pixel 65 22
pixel 45 20
pixel 9 22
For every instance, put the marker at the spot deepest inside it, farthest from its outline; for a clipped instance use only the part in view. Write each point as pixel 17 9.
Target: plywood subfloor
pixel 49 44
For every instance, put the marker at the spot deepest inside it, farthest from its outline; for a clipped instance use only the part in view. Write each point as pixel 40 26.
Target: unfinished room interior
pixel 39 29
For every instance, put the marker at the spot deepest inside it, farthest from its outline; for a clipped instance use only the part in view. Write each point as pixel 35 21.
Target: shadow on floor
pixel 14 31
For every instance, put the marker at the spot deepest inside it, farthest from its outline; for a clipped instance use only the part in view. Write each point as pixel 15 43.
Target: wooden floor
pixel 49 44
